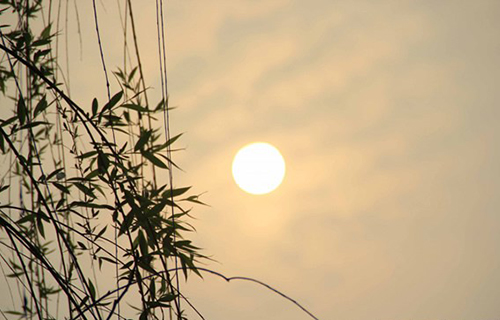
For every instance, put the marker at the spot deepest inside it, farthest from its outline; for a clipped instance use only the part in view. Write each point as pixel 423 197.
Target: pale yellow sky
pixel 386 114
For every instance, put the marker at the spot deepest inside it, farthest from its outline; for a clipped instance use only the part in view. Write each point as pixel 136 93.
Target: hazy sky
pixel 386 114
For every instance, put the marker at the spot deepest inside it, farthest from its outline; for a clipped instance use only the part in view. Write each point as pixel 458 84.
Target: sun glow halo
pixel 258 168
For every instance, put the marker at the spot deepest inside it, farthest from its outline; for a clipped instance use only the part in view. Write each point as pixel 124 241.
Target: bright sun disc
pixel 258 168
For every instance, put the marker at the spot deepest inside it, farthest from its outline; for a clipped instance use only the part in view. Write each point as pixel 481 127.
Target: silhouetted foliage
pixel 87 231
pixel 80 200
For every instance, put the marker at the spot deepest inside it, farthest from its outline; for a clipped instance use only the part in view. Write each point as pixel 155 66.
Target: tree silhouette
pixel 87 231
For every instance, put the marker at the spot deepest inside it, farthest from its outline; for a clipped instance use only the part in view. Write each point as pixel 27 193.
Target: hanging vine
pixel 66 215
pixel 79 197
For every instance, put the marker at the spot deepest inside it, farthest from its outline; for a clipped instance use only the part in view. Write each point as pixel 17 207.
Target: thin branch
pixel 49 212
pixel 42 260
pixel 25 271
pixel 100 48
pixel 228 279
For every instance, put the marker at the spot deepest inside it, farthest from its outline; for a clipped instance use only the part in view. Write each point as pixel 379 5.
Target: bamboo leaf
pixel 102 162
pixel 95 106
pixel 175 192
pixel 126 223
pixel 92 205
pixel 86 190
pixel 167 297
pixel 6 122
pixel 111 103
pixel 40 42
pixel 40 107
pixel 152 289
pixel 53 173
pixel 92 289
pixel 169 161
pixel 146 266
pixel 22 111
pixel 82 245
pixel 108 260
pixel 5 187
pixel 194 199
pixel 127 265
pixel 26 218
pixel 160 105
pixel 61 187
pixel 143 245
pixel 87 154
pixel 132 73
pixel 41 229
pixel 157 208
pixel 135 107
pixel 144 138
pixel 92 174
pixel 33 124
pixel 151 157
pixel 40 53
pixel 46 32
pixel 172 140
pixel 168 143
pixel 100 233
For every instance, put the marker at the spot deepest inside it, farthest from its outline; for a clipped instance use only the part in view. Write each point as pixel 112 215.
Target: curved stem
pixel 22 161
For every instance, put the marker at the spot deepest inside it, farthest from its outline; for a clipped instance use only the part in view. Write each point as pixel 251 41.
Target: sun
pixel 258 168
